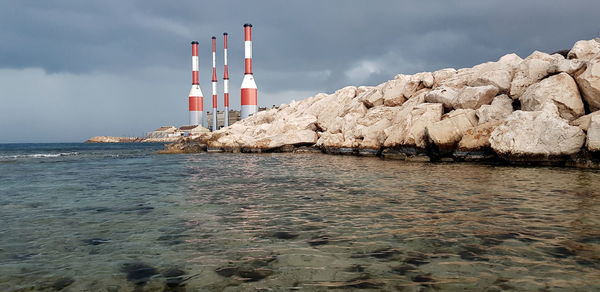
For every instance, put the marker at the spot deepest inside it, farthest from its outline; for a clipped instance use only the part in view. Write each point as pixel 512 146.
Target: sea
pixel 120 217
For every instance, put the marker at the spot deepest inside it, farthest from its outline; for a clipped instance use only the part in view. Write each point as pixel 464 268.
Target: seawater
pixel 118 217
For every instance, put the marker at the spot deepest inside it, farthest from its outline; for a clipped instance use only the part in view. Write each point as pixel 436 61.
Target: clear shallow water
pixel 115 217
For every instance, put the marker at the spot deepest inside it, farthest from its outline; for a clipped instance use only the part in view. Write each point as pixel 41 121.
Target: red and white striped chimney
pixel 214 83
pixel 196 100
pixel 225 83
pixel 249 91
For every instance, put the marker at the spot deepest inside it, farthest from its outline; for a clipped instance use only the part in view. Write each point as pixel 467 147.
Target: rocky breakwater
pixel 541 109
pixel 111 139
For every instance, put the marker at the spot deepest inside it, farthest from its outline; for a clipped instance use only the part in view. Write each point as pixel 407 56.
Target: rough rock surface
pixel 444 95
pixel 560 89
pixel 500 108
pixel 474 97
pixel 449 131
pixel 584 121
pixel 589 83
pixel 585 50
pixel 478 138
pixel 593 134
pixel 408 126
pixel 533 69
pixel 537 135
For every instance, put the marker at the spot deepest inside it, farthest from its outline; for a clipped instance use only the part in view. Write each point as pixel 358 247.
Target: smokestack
pixel 249 91
pixel 225 83
pixel 196 100
pixel 214 83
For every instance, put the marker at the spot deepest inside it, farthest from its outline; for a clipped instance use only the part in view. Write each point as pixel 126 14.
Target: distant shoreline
pixel 112 139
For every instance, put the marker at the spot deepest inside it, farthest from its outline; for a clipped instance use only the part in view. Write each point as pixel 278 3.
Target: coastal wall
pixel 541 109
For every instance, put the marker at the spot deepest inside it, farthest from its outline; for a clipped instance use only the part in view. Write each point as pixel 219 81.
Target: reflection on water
pixel 231 222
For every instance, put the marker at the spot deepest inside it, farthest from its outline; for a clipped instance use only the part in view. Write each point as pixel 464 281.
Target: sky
pixel 74 69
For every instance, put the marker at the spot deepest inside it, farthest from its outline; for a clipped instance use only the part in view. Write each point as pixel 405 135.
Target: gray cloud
pixel 122 67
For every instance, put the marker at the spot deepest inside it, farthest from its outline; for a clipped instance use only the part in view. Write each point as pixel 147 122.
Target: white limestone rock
pixel 499 109
pixel 500 79
pixel 537 135
pixel 474 97
pixel 560 89
pixel 589 84
pixel 393 92
pixel 371 97
pixel 584 50
pixel 584 122
pixel 409 124
pixel 593 134
pixel 533 69
pixel 569 66
pixel 442 75
pixel 444 95
pixel 449 131
pixel 478 138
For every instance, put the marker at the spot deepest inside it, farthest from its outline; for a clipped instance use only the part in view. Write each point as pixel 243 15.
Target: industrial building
pixel 234 116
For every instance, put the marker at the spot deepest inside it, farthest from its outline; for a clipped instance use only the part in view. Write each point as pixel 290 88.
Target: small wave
pixel 38 155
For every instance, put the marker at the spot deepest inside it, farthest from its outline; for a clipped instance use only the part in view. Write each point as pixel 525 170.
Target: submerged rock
pixel 139 273
pixel 174 277
pixel 62 283
pixel 284 235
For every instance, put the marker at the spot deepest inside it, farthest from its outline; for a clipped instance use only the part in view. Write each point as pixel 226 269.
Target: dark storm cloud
pixel 300 47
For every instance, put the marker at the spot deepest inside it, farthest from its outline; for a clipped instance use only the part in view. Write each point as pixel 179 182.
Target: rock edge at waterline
pixel 537 110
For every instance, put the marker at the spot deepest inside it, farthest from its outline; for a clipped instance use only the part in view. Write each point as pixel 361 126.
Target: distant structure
pixel 232 117
pixel 192 130
pixel 249 92
pixel 225 82
pixel 214 82
pixel 164 132
pixel 196 99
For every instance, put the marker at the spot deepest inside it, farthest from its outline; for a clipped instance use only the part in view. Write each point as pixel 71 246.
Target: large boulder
pixel 409 125
pixel 533 69
pixel 569 66
pixel 473 97
pixel 298 137
pixel 500 79
pixel 589 83
pixel 370 128
pixel 403 87
pixel 585 50
pixel 538 135
pixel 584 122
pixel 498 74
pixel 449 131
pixel 371 97
pixel 593 134
pixel 560 89
pixel 393 92
pixel 477 138
pixel 500 108
pixel 444 95
pixel 442 75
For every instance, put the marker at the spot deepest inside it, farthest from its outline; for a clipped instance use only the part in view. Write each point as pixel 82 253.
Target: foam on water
pixel 38 155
